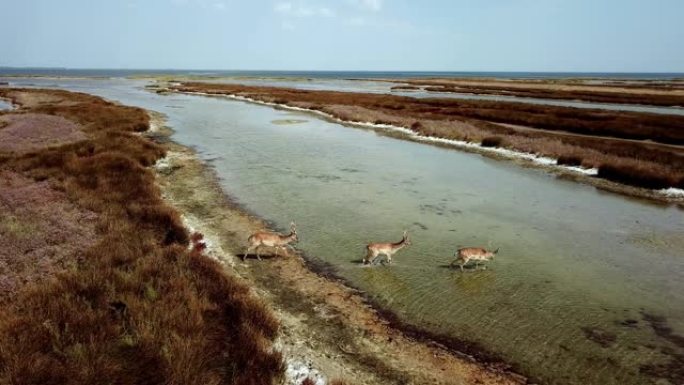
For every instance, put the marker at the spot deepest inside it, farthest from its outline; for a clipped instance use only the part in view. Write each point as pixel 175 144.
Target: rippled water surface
pixel 581 279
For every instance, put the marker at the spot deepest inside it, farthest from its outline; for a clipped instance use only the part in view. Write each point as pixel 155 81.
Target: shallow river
pixel 569 297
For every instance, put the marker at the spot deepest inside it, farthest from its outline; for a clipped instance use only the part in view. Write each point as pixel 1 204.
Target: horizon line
pixel 331 70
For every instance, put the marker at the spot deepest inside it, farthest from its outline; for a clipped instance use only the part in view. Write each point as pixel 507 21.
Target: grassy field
pixel 638 149
pixel 130 298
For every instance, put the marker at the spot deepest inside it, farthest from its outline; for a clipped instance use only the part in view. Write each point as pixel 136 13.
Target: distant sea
pixel 14 71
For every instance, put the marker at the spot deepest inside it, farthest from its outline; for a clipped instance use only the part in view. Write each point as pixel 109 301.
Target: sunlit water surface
pixel 565 299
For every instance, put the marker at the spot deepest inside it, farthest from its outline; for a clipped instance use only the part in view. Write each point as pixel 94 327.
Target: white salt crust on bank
pixel 297 369
pixel 511 154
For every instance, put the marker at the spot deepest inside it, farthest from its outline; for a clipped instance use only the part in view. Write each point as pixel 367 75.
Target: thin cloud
pixel 287 26
pixel 370 5
pixel 398 25
pixel 302 10
pixel 402 26
pixel 206 4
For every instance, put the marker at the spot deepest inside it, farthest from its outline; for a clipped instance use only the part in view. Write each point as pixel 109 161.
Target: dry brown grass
pixel 405 88
pixel 491 141
pixel 570 160
pixel 589 96
pixel 592 138
pixel 642 175
pixel 139 306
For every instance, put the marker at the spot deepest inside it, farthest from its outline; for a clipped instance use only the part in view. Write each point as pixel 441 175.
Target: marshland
pixel 320 192
pixel 571 267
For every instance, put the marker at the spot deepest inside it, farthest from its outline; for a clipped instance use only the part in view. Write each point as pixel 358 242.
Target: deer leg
pixel 256 251
pixel 249 249
pixel 370 257
pixel 375 256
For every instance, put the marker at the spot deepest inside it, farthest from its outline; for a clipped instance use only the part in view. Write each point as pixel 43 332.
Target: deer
pixel 477 254
pixel 387 248
pixel 271 239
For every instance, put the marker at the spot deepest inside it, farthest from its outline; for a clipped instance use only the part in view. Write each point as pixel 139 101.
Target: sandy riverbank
pixel 328 329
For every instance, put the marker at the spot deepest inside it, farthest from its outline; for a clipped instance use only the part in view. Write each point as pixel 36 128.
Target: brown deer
pixel 388 249
pixel 477 254
pixel 271 239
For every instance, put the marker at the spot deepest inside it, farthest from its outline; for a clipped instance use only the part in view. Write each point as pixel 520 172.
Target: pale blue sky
pixel 437 35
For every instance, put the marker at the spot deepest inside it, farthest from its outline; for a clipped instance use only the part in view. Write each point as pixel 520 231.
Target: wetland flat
pixel 581 287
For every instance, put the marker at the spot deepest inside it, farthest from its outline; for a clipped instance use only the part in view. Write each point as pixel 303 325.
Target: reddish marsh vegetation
pixel 30 132
pixel 128 302
pixel 621 92
pixel 40 232
pixel 589 96
pixel 622 142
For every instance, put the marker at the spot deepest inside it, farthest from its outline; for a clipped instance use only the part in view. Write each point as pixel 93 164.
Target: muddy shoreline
pixel 346 335
pixel 462 348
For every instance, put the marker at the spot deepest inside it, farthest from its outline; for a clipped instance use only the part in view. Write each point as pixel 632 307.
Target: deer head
pixel 293 231
pixel 491 254
pixel 406 239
